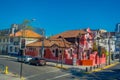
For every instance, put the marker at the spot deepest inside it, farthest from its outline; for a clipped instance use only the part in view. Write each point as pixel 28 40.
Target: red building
pixel 74 46
pixel 53 48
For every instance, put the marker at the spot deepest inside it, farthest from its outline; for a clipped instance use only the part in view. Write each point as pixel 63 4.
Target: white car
pixel 27 59
pixel 24 59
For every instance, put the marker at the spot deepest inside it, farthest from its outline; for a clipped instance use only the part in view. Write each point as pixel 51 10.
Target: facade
pixel 4 41
pixel 10 39
pixel 78 52
pixel 107 41
pixel 82 40
pixel 117 43
pixel 16 38
pixel 53 48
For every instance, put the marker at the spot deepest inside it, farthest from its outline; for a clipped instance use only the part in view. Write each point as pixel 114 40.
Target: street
pixel 31 72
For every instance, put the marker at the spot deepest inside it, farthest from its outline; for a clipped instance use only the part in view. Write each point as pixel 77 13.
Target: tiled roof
pixel 26 33
pixel 70 34
pixel 50 42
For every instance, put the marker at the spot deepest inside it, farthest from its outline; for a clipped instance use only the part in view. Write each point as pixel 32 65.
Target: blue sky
pixel 57 16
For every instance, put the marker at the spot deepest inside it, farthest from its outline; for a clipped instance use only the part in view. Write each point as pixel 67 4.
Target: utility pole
pixel 42 32
pixel 63 51
pixel 119 53
pixel 109 47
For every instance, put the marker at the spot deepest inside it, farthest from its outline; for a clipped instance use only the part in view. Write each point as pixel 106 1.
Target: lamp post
pixel 23 43
pixel 43 36
pixel 109 48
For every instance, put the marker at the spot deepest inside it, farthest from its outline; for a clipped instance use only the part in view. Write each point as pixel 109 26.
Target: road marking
pixel 59 76
pixel 40 74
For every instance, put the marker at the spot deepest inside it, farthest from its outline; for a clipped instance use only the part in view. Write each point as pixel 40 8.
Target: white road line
pixel 59 76
pixel 40 74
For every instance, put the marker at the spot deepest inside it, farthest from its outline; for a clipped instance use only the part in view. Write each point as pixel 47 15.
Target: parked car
pixel 25 59
pixel 38 61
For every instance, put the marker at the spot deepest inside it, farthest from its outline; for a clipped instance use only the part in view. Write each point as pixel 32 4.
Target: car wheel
pixel 37 64
pixel 43 63
pixel 29 63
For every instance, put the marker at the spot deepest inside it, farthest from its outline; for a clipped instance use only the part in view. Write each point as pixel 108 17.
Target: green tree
pixel 95 47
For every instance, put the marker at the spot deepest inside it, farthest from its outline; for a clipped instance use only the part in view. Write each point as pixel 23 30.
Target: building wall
pixel 15 44
pixel 4 45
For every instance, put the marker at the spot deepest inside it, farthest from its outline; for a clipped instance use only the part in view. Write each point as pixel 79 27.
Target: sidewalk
pixel 8 76
pixel 87 69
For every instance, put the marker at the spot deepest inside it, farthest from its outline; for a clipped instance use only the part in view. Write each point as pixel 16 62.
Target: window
pixel 53 51
pixel 16 49
pixel 60 51
pixel 11 39
pixel 3 40
pixel 11 49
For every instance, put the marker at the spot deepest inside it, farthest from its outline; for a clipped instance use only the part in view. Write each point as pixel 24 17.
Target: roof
pixel 4 32
pixel 70 34
pixel 50 43
pixel 26 33
pixel 108 34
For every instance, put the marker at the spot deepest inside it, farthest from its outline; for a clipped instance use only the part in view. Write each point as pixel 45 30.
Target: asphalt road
pixel 31 72
pixel 48 72
pixel 112 73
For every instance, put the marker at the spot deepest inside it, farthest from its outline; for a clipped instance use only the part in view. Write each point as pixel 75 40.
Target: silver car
pixel 24 59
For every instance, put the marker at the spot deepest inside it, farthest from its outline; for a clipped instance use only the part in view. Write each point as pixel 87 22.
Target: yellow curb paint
pixel 22 78
pixel 62 67
pixel 96 70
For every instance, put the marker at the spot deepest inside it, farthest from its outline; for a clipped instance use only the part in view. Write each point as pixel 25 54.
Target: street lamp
pixel 43 37
pixel 23 43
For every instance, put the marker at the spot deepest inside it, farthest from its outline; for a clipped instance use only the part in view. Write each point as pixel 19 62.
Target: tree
pixel 104 51
pixel 95 48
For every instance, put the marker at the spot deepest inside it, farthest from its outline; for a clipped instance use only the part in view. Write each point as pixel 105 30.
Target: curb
pixel 106 67
pixel 7 57
pixel 65 68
